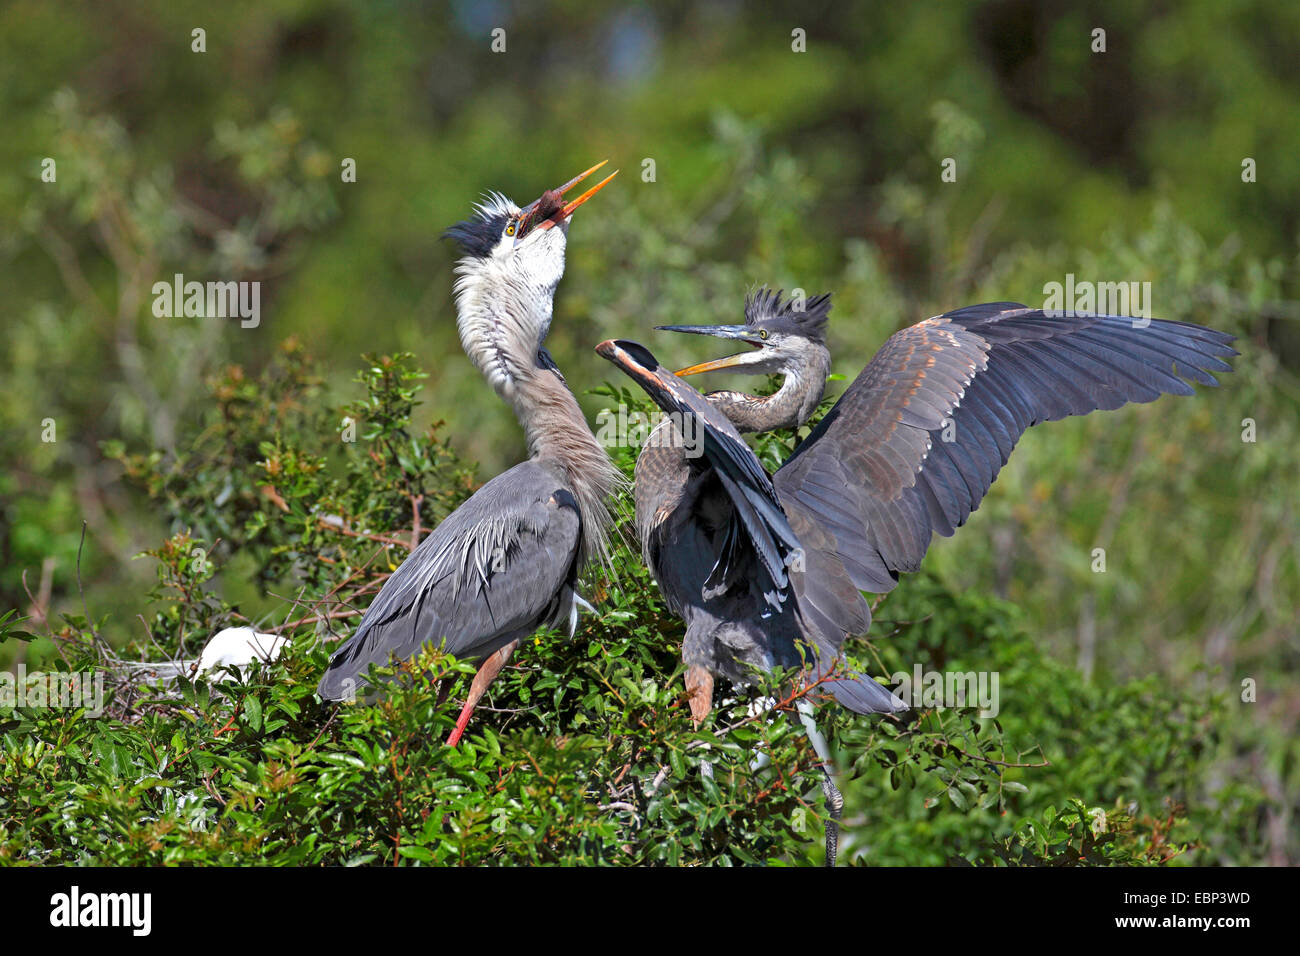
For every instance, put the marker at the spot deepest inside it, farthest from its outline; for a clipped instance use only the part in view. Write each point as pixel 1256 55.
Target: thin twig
pixel 345 530
pixel 84 607
pixel 416 501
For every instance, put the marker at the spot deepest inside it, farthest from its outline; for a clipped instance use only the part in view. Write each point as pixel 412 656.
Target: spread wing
pixel 877 473
pixel 498 567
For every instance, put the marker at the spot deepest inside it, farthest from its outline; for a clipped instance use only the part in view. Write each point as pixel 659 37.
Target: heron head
pixel 512 260
pixel 522 246
pixel 784 336
pixel 642 367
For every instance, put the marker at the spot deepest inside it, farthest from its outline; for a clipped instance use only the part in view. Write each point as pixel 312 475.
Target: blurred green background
pixel 818 170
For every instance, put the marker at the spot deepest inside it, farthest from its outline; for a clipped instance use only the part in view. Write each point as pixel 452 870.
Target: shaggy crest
pixel 766 309
pixel 479 235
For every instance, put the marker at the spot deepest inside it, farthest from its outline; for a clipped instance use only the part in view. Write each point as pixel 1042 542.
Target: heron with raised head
pixel 506 562
pixel 771 571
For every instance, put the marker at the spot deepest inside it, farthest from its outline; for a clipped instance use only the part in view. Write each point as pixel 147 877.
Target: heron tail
pixel 862 695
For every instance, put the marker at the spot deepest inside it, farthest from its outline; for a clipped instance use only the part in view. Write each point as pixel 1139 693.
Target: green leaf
pixel 253 713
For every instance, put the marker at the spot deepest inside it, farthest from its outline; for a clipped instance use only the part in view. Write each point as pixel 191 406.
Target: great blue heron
pixel 505 562
pixel 770 571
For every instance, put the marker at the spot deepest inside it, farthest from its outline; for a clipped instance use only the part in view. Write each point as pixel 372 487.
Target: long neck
pixel 557 433
pixel 789 406
pixel 501 324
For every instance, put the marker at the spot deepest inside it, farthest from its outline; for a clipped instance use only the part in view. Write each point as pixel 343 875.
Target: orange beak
pixel 742 333
pixel 567 209
pixel 716 365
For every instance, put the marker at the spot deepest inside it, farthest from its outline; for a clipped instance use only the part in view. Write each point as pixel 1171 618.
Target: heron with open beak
pixel 506 562
pixel 771 571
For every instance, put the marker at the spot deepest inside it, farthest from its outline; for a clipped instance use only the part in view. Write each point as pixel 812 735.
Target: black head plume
pixel 479 234
pixel 766 309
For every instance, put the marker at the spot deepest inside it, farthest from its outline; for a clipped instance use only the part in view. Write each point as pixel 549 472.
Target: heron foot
pixel 699 691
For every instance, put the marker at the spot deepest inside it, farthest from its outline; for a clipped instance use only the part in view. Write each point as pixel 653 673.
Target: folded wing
pixel 498 567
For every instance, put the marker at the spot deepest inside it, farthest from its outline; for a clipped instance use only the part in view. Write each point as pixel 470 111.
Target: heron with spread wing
pixel 506 562
pixel 771 571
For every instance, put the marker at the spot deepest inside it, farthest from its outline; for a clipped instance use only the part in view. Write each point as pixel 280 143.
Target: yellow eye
pixel 510 229
pixel 762 333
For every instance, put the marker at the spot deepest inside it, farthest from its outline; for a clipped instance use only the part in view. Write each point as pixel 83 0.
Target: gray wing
pixel 742 572
pixel 877 475
pixel 500 566
pixel 756 519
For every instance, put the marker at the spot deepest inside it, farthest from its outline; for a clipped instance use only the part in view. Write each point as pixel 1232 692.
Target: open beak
pixel 551 208
pixel 742 333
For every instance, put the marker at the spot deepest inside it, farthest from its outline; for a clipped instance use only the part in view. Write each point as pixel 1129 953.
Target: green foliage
pixel 220 454
pixel 246 498
pixel 582 756
pixel 9 629
pixel 1137 751
pixel 1087 836
pixel 583 753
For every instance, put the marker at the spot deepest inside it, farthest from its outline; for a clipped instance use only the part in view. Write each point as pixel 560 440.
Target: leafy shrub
pixel 583 753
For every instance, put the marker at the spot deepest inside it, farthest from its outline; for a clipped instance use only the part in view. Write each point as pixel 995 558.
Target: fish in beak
pixel 550 209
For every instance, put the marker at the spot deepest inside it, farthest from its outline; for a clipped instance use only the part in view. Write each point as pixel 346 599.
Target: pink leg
pixel 487 673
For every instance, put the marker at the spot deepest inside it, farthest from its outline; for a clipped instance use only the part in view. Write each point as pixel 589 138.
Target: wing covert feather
pixel 877 473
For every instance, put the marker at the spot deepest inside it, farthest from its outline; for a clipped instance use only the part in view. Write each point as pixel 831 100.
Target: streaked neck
pixel 557 432
pixel 788 407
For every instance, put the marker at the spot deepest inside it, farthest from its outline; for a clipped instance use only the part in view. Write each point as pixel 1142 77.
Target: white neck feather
pixel 502 314
pixel 503 310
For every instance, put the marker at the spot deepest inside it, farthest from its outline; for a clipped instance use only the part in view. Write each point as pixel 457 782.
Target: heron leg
pixel 835 804
pixel 487 673
pixel 699 692
pixel 834 799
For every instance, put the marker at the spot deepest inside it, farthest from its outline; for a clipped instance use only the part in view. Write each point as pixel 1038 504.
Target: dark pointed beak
pixel 635 360
pixel 742 333
pixel 720 331
pixel 664 388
